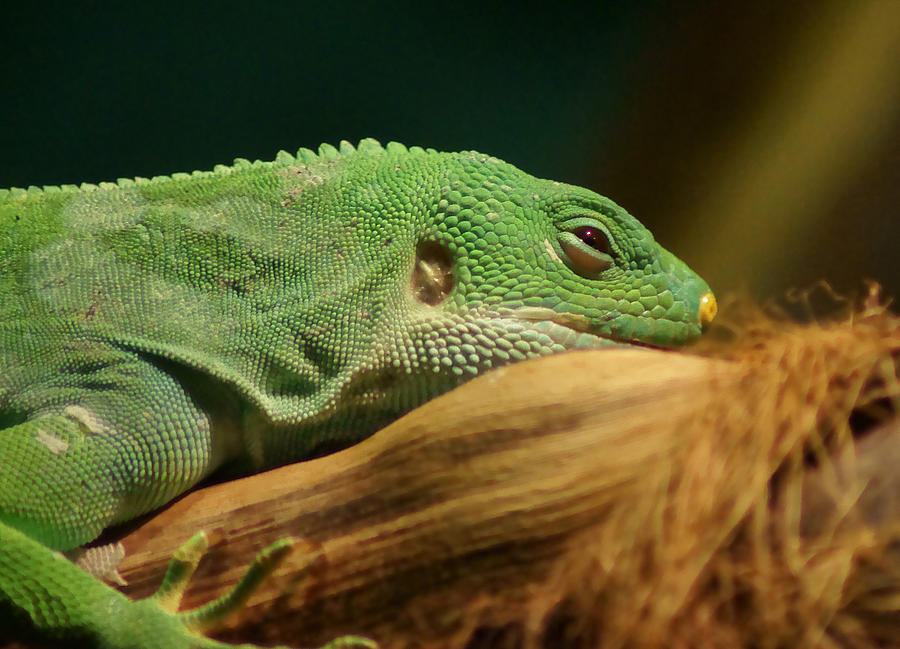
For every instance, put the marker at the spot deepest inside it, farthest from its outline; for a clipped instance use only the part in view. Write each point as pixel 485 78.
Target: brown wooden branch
pixel 474 493
pixel 587 499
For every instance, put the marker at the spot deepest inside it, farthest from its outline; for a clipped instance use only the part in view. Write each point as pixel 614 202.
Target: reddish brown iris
pixel 582 260
pixel 594 238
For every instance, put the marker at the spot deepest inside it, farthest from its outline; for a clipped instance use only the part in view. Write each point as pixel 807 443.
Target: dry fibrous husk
pixel 774 521
pixel 741 494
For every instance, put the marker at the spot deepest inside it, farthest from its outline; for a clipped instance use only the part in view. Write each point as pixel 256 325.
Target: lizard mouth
pixel 433 280
pixel 572 330
pixel 656 333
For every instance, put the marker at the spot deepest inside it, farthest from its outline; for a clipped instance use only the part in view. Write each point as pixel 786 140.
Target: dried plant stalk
pixel 622 498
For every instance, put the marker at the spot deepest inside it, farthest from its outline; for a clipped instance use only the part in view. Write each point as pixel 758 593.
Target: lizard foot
pixel 184 563
pixel 55 599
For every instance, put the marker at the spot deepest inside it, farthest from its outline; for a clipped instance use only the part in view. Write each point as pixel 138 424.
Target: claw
pixel 178 574
pixel 184 563
pixel 206 616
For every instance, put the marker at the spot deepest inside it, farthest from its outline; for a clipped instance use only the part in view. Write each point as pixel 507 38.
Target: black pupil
pixel 593 237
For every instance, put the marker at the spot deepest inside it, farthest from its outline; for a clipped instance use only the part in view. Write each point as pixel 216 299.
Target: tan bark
pixel 623 497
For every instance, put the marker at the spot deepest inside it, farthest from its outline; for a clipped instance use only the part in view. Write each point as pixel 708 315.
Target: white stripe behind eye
pixel 552 252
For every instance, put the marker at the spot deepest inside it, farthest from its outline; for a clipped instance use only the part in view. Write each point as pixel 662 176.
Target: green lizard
pixel 155 331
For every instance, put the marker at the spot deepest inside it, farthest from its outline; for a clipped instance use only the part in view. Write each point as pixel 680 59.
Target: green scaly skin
pixel 155 331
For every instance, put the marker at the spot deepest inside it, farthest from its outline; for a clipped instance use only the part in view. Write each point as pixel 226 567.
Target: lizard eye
pixel 593 237
pixel 587 248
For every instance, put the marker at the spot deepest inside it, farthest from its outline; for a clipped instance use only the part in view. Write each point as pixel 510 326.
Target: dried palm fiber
pixel 775 519
pixel 745 494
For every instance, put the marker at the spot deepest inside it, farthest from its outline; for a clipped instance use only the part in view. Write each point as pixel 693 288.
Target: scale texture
pixel 154 331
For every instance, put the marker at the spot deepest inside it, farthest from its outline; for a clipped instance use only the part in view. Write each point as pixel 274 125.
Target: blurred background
pixel 759 141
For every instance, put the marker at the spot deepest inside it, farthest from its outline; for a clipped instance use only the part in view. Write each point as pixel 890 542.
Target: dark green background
pixel 134 89
pixel 629 98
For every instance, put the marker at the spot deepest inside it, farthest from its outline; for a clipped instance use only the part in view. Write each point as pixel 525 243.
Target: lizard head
pixel 555 259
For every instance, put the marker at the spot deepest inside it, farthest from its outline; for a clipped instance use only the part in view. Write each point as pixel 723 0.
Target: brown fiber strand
pixel 722 556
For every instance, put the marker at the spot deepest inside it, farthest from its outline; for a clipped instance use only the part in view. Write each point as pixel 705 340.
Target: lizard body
pixel 155 331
